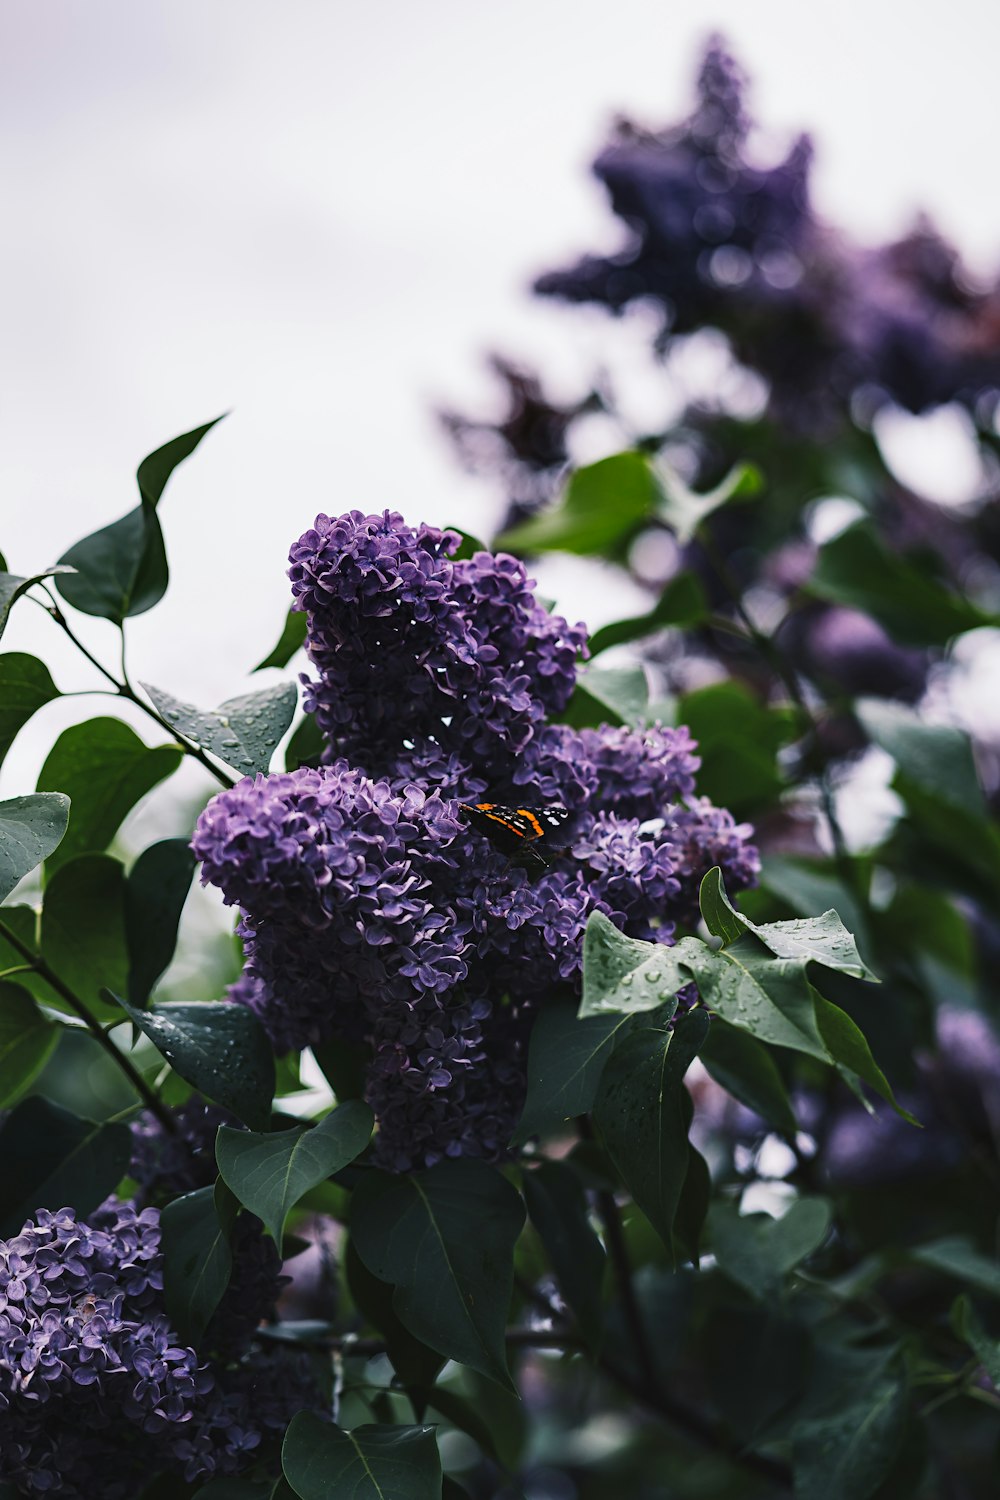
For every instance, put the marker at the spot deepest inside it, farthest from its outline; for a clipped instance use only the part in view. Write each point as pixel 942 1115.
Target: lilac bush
pixel 371 911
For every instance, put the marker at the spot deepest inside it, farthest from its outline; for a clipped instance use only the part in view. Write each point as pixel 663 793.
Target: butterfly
pixel 517 831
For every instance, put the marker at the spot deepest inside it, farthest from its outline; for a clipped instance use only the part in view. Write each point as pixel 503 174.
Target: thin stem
pixel 80 1007
pixel 124 689
pixel 17 969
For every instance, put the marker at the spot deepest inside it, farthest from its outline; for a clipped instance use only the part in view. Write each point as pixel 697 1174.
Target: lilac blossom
pixel 97 1393
pixel 372 912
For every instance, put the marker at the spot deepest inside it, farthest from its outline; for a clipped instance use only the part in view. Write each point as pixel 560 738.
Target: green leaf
pixel 822 940
pixel 30 829
pixel 196 1231
pixel 105 768
pixel 270 1173
pixel 758 1365
pixel 769 997
pixel 292 639
pixel 682 603
pixel 756 1251
pixel 121 570
pixel 846 1044
pixel 417 1366
pixel 603 507
pixel 219 1049
pixel 26 1041
pixel 243 731
pixel 565 1060
pixel 641 1116
pixel 54 1159
pixel 323 1462
pixel 155 892
pixel 344 1066
pixel 557 1206
pixel 306 744
pixel 857 570
pixel 445 1239
pixel 683 510
pixel 968 1328
pixel 463 1415
pixel 806 888
pixel 83 929
pixel 745 1069
pixel 25 687
pixel 956 1257
pixel 608 695
pixel 12 586
pixel 622 975
pixel 847 1454
pixel 935 757
pixel 738 742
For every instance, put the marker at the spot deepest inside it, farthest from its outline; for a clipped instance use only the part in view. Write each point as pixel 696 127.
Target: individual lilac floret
pixel 96 1391
pixel 411 645
pixel 704 836
pixel 636 773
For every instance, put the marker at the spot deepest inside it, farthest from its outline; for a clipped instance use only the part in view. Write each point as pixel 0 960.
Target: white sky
pixel 321 215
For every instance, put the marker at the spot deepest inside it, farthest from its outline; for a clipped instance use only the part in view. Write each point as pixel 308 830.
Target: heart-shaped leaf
pixel 105 769
pixel 83 929
pixel 155 892
pixel 323 1462
pixel 822 940
pixel 30 829
pixel 642 1118
pixel 622 975
pixel 445 1239
pixel 218 1048
pixel 121 570
pixel 608 695
pixel 269 1173
pixel 758 1251
pixel 565 1059
pixel 197 1260
pixel 25 687
pixel 243 731
pixel 604 505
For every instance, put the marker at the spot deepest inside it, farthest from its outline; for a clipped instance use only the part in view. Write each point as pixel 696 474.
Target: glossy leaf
pixel 641 1116
pixel 243 732
pixel 305 745
pixel 83 929
pixel 856 570
pixel 197 1260
pixel 608 695
pixel 684 511
pixel 105 768
pixel 847 1454
pixel 557 1207
pixel 445 1239
pixel 822 940
pixel 604 505
pixel 682 603
pixel 323 1462
pixel 623 974
pixel 757 1251
pixel 26 1041
pixel 30 829
pixel 746 1069
pixel 565 1059
pixel 292 639
pixel 269 1173
pixel 219 1049
pixel 12 586
pixel 121 570
pixel 25 686
pixel 416 1365
pixel 53 1159
pixel 155 892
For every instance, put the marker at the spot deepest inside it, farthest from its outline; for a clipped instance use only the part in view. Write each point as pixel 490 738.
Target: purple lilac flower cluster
pixel 719 241
pixel 372 912
pixel 97 1393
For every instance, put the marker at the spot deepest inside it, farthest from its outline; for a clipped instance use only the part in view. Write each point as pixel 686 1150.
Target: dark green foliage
pixel 155 892
pixel 197 1259
pixel 30 829
pixel 243 732
pixel 322 1462
pixel 25 686
pixel 292 639
pixel 52 1159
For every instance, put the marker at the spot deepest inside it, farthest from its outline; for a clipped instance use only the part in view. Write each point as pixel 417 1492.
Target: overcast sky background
pixel 320 216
